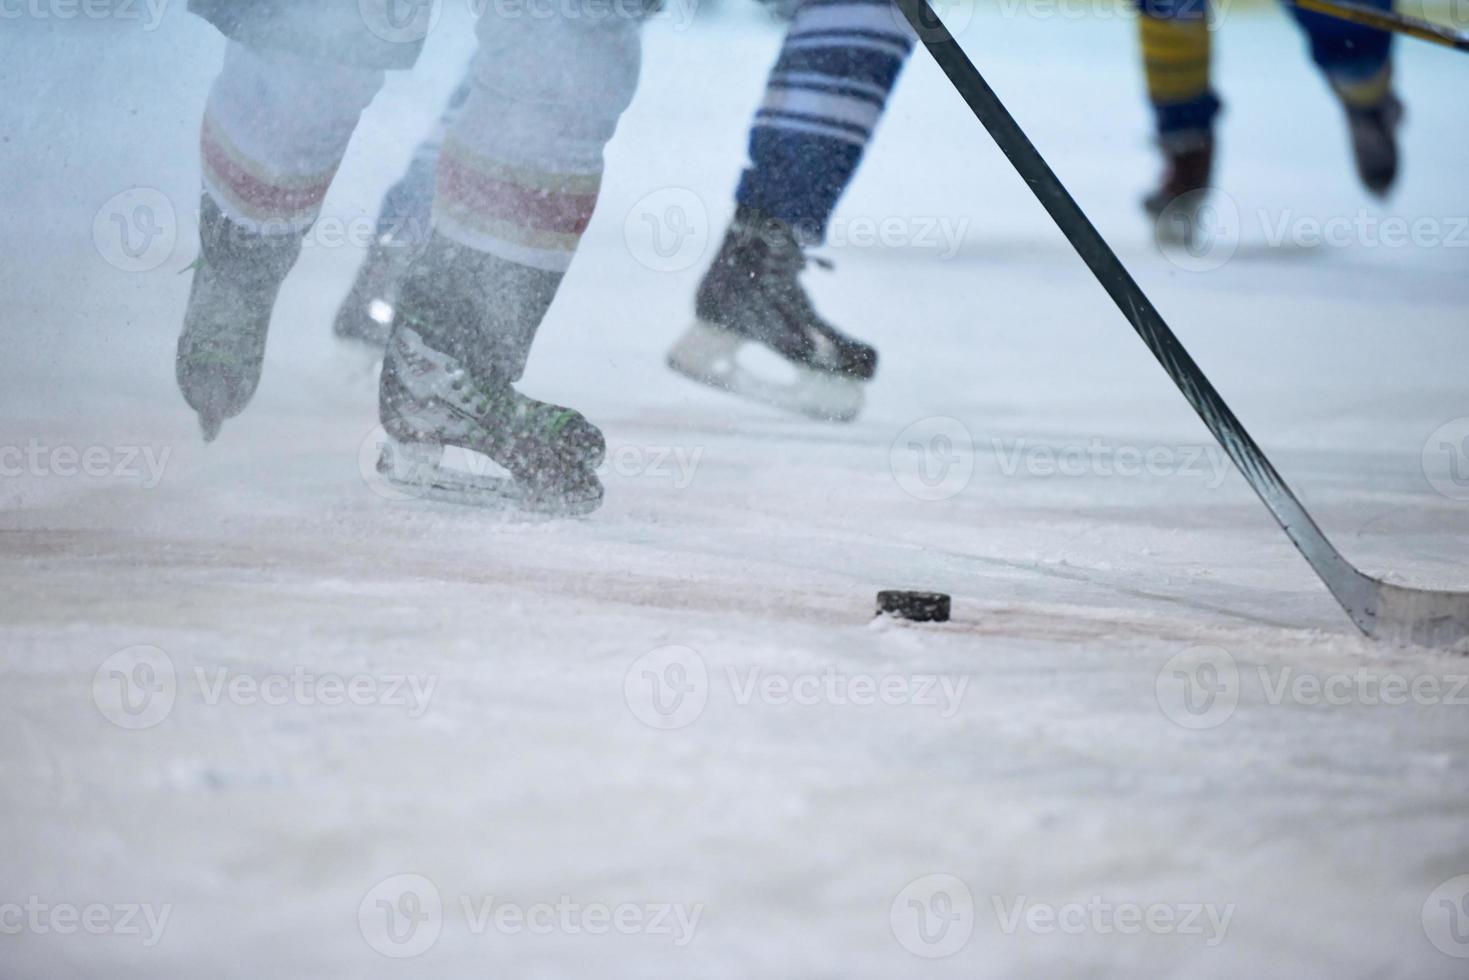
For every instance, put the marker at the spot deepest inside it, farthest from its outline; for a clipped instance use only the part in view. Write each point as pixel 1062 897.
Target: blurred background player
pixel 1176 44
pixel 827 90
pixel 517 179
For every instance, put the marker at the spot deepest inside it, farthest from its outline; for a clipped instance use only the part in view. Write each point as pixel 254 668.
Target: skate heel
pixel 408 464
pixel 706 354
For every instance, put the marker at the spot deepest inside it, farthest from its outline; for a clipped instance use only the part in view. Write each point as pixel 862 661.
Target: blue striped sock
pixel 825 94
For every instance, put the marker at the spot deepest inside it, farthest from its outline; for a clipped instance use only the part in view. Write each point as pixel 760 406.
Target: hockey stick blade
pixel 1392 613
pixel 1386 20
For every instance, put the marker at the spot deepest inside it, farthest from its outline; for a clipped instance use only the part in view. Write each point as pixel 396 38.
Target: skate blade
pixel 417 470
pixel 1173 234
pixel 710 356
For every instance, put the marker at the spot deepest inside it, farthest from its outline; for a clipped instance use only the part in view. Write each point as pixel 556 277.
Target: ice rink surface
pixel 1148 744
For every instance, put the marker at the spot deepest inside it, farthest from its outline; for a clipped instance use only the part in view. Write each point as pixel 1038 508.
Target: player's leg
pixel 518 177
pixel 275 129
pixel 838 64
pixel 825 94
pixel 1177 45
pixel 403 224
pixel 1357 61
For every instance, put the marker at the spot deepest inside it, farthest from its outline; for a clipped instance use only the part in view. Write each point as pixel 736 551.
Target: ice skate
pixel 222 347
pixel 753 294
pixel 1374 132
pixel 366 315
pixel 460 337
pixel 1175 205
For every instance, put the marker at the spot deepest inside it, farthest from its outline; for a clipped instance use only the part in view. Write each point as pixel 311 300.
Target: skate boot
pixel 366 315
pixel 752 294
pixel 461 335
pixel 1174 206
pixel 222 347
pixel 1374 130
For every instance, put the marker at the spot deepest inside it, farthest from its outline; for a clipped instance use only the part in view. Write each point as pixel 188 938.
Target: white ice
pixel 756 541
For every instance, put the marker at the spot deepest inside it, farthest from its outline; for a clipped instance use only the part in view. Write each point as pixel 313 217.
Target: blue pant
pixel 837 66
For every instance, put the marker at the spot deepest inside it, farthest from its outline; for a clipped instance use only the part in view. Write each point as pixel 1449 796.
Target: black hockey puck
pixel 921 607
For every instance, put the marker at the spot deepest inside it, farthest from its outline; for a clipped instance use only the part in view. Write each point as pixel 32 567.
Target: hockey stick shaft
pixel 1388 21
pixel 1350 587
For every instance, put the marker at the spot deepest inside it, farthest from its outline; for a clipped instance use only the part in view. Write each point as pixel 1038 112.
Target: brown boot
pixel 1189 165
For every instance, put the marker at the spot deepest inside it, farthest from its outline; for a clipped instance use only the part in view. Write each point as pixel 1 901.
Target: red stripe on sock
pixel 533 208
pixel 265 199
